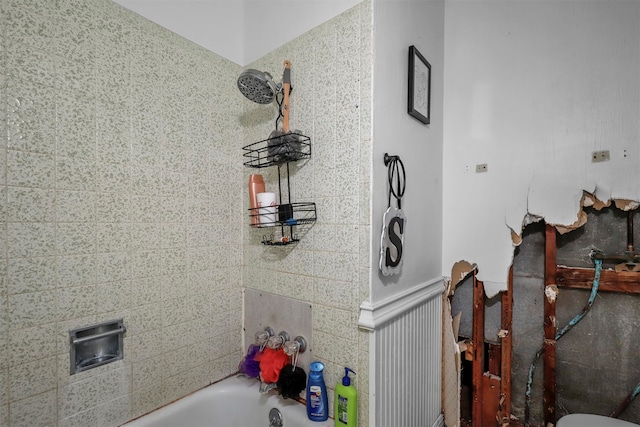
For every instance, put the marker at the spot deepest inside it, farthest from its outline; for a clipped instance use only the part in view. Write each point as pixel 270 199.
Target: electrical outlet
pixel 600 156
pixel 481 167
pixel 467 168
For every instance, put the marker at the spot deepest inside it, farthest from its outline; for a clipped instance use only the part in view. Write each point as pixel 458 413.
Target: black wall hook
pixel 395 169
pixel 388 158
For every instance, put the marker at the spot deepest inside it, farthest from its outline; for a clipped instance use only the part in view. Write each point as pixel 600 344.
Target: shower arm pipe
pixel 630 255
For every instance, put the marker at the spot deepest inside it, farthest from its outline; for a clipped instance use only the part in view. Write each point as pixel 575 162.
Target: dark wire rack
pixel 279 151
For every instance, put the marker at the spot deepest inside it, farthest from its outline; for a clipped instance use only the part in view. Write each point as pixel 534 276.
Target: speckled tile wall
pixel 330 267
pixel 120 196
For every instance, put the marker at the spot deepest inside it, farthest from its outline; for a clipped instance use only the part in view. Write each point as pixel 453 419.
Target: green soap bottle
pixel 345 409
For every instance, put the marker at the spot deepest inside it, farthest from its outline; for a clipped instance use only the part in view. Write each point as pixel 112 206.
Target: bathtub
pixel 232 402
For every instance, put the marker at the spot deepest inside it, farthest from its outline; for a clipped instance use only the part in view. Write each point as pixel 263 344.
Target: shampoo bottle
pixel 317 405
pixel 345 410
pixel 256 185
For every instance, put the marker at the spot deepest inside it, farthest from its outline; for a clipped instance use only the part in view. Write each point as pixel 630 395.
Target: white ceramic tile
pixel 30 117
pixel 148 398
pixel 30 169
pixel 76 302
pixel 145 263
pixel 30 379
pixel 113 237
pixel 3 160
pixel 113 177
pixel 76 73
pixel 146 345
pixel 76 270
pixel 144 236
pixel 82 418
pixel 173 235
pixel 75 126
pixel 76 239
pixel 4 282
pixel 77 174
pixel 4 385
pixel 144 318
pixel 31 274
pixel 145 208
pixel 30 205
pixel 113 266
pixel 114 412
pixel 335 294
pixel 113 296
pixel 113 147
pixel 29 22
pixel 30 239
pixel 112 207
pixel 29 64
pixel 39 410
pixel 113 119
pixel 4 358
pixel 173 261
pixel 173 286
pixel 30 344
pixel 173 209
pixel 76 397
pixel 4 413
pixel 75 206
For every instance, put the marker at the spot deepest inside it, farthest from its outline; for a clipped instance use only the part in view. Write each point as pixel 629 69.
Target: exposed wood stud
pixel 610 280
pixel 549 382
pixel 478 348
pixel 506 346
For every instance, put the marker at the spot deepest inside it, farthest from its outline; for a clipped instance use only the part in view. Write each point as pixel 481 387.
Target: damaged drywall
pixel 609 326
pixel 461 269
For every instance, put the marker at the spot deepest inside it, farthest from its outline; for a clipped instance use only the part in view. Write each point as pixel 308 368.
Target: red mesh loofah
pixel 271 363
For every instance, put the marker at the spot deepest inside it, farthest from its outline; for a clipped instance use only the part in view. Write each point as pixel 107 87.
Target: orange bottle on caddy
pixel 256 185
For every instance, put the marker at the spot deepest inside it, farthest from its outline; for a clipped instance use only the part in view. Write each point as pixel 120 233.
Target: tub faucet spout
pixel 266 387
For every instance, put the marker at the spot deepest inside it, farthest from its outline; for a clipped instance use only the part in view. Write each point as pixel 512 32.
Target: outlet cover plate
pixel 600 156
pixel 481 167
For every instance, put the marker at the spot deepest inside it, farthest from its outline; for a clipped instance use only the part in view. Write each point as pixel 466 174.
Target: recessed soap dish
pixel 96 345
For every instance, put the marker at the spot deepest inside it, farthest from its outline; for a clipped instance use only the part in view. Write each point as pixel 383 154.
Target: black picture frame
pixel 419 105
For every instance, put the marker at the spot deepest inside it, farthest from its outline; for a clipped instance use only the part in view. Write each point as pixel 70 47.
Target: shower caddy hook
pixel 394 219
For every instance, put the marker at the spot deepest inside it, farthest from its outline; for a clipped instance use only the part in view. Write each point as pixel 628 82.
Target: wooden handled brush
pixel 286 88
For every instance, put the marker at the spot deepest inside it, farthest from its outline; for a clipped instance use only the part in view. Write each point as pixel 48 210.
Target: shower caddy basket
pixel 278 151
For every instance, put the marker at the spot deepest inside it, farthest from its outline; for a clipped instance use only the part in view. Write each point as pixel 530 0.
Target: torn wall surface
pixel 597 362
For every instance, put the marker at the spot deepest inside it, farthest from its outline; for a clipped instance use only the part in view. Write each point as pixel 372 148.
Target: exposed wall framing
pixel 557 276
pixel 491 362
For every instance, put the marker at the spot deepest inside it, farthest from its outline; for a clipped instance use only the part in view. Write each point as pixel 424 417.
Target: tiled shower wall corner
pixel 331 70
pixel 120 196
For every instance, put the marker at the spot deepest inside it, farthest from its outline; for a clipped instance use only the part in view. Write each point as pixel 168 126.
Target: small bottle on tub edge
pixel 345 409
pixel 317 404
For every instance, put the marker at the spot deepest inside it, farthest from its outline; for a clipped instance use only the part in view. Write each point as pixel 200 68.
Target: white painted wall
pixel 532 89
pixel 216 25
pixel 399 24
pixel 239 30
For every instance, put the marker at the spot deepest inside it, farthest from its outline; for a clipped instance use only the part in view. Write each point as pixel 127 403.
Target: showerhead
pixel 257 86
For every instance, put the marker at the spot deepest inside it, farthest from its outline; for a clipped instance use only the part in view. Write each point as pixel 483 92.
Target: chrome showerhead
pixel 258 86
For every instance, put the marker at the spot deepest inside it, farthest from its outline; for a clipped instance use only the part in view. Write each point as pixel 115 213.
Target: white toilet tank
pixel 587 420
